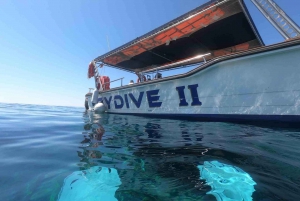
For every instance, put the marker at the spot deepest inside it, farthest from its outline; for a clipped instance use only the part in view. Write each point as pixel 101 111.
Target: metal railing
pixel 179 63
pixel 114 81
pixel 176 65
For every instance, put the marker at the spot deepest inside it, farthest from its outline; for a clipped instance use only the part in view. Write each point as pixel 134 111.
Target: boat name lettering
pixel 194 95
pixel 107 101
pixel 126 101
pixel 138 101
pixel 121 104
pixel 152 98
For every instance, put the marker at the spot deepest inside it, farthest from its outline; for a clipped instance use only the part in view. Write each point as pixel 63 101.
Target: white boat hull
pixel 99 107
pixel 264 85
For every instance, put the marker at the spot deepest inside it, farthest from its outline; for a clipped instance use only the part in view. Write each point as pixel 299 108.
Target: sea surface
pixel 58 153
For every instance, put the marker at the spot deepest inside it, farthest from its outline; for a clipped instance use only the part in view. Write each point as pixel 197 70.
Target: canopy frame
pixel 205 7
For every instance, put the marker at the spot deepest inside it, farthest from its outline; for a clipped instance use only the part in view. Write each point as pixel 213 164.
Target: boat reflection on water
pixel 92 140
pixel 92 182
pixel 154 160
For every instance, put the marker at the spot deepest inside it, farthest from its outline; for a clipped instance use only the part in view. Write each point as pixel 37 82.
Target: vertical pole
pixel 107 43
pixel 142 77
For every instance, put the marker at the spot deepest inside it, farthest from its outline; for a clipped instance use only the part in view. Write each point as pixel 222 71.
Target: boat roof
pixel 216 28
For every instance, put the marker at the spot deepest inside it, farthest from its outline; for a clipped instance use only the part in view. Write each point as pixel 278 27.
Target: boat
pixel 236 78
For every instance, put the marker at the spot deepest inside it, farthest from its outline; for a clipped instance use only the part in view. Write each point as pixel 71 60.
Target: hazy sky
pixel 45 46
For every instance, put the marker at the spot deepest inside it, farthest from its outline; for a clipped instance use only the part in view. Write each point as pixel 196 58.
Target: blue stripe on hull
pixel 222 117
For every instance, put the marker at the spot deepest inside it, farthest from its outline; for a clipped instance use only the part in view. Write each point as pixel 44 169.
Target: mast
pixel 279 19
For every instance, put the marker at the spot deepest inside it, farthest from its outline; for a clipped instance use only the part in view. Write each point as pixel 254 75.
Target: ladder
pixel 279 19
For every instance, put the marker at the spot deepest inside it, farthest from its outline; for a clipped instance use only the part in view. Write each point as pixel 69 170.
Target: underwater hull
pixel 260 86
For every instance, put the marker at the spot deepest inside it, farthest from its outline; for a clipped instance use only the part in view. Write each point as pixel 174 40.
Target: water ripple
pixel 156 159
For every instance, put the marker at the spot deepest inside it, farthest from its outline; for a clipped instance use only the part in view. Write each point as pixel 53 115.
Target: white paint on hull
pixel 260 84
pixel 99 107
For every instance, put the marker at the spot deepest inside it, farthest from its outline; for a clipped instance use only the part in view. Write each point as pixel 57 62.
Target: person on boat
pixel 141 78
pixel 131 82
pixel 148 77
pixel 158 76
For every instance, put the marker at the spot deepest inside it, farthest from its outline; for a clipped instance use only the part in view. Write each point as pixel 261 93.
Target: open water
pixel 58 153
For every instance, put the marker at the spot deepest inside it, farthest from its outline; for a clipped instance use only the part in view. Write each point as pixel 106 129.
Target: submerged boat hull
pixel 262 85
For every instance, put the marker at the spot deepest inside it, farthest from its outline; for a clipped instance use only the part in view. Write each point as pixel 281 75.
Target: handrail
pixel 186 61
pixel 115 80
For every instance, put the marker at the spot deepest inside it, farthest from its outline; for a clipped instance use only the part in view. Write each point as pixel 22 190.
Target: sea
pixel 67 153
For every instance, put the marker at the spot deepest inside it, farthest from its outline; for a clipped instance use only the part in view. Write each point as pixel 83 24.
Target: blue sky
pixel 45 46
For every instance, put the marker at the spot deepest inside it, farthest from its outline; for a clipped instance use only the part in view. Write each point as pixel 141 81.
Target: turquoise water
pixel 47 152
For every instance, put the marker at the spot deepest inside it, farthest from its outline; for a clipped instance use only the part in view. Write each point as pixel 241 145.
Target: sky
pixel 46 46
